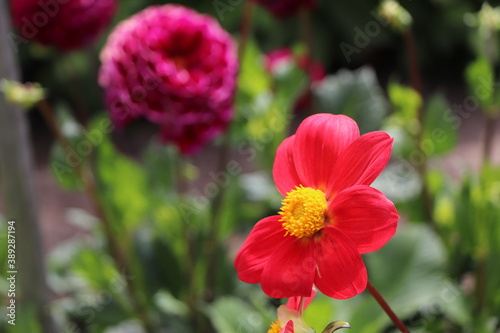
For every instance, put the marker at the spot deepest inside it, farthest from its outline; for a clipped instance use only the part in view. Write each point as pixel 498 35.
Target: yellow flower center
pixel 275 328
pixel 303 211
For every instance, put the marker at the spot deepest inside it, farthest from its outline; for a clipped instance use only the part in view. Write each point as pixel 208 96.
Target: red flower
pixel 330 214
pixel 285 8
pixel 176 68
pixel 66 25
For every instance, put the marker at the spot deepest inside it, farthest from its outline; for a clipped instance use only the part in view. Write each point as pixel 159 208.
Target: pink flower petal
pixel 290 269
pixel 294 302
pixel 284 173
pixel 319 141
pixel 361 162
pixel 288 327
pixel 340 272
pixel 364 215
pixel 265 237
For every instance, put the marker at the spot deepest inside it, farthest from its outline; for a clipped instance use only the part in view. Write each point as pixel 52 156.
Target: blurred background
pixel 439 271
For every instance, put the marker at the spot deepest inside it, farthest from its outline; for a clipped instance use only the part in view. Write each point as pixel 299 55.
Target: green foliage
pixel 356 94
pixel 439 135
pixel 231 314
pixel 480 79
pixel 67 160
pixel 438 130
pixel 265 103
pixel 405 101
pixel 416 258
pixel 122 188
pixel 162 207
pixel 470 216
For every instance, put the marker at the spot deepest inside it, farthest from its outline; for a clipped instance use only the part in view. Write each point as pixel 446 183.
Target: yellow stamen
pixel 275 328
pixel 303 211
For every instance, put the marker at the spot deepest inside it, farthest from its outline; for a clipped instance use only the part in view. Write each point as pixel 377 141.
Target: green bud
pixel 25 95
pixel 396 15
pixel 489 17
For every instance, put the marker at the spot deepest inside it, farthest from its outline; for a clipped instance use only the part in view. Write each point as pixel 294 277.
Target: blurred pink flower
pixel 64 24
pixel 175 67
pixel 278 60
pixel 284 8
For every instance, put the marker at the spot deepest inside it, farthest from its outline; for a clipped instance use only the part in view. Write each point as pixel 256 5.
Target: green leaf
pixel 65 161
pixel 356 94
pixel 399 181
pixel 480 77
pixel 253 78
pixel 122 187
pixel 232 315
pixel 405 102
pixel 440 135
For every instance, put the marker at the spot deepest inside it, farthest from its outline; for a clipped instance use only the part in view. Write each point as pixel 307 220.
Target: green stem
pixel 383 304
pixel 416 83
pixel 89 184
pixel 77 91
pixel 216 217
pixel 481 274
pixel 218 201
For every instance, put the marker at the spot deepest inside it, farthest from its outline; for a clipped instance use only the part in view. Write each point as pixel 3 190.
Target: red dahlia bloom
pixel 64 24
pixel 284 8
pixel 330 214
pixel 175 67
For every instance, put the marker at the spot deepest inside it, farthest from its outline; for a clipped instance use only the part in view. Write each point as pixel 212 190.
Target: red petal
pixel 288 328
pixel 364 215
pixel 319 141
pixel 284 173
pixel 290 269
pixel 341 272
pixel 264 238
pixel 361 162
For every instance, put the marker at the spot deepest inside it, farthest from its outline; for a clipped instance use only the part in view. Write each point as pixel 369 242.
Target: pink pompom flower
pixel 176 68
pixel 65 24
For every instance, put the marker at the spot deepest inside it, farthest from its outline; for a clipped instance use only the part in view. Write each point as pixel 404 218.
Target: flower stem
pixel 224 152
pixel 216 215
pixel 90 188
pixel 307 33
pixel 415 80
pixel 245 28
pixel 416 84
pixel 77 91
pixel 488 137
pixel 381 301
pixel 302 305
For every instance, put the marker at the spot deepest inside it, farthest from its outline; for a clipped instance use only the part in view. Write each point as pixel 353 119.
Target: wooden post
pixel 18 192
